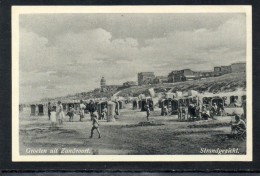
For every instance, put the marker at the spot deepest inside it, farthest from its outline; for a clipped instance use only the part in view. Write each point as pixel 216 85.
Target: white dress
pixel 82 107
pixel 53 116
pixel 60 113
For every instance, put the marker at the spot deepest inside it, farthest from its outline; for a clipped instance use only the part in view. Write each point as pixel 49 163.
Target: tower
pixel 102 83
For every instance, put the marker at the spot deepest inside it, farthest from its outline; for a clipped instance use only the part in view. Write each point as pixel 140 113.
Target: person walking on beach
pixel 147 112
pixel 49 110
pixel 95 125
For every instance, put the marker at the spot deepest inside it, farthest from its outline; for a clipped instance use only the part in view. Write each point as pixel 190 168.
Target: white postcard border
pixel 17 10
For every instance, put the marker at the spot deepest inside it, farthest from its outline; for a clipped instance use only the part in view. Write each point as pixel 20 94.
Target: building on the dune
pixel 145 78
pixel 175 76
pixel 221 70
pixel 238 67
pixel 183 75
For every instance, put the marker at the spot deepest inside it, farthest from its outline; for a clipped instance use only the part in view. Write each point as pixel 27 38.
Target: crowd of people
pixel 56 115
pixel 191 112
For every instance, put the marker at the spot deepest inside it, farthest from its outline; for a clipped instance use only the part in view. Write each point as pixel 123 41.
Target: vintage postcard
pixel 131 83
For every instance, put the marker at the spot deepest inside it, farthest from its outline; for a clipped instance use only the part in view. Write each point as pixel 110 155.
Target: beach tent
pixel 160 103
pixel 100 106
pixel 178 94
pixel 169 95
pixel 139 104
pixel 143 104
pixel 192 93
pixel 111 111
pixel 147 101
pixel 40 110
pixel 166 102
pixel 141 96
pixel 33 110
pixel 121 104
pixel 150 103
pixel 174 106
pixel 217 100
pixel 134 104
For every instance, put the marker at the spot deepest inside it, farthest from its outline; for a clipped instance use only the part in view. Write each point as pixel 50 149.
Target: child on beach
pixel 71 114
pixel 95 125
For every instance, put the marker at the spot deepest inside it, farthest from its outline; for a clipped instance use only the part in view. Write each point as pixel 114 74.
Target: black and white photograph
pixel 144 83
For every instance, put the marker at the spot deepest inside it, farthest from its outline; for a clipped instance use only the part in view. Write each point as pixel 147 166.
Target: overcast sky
pixel 63 54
